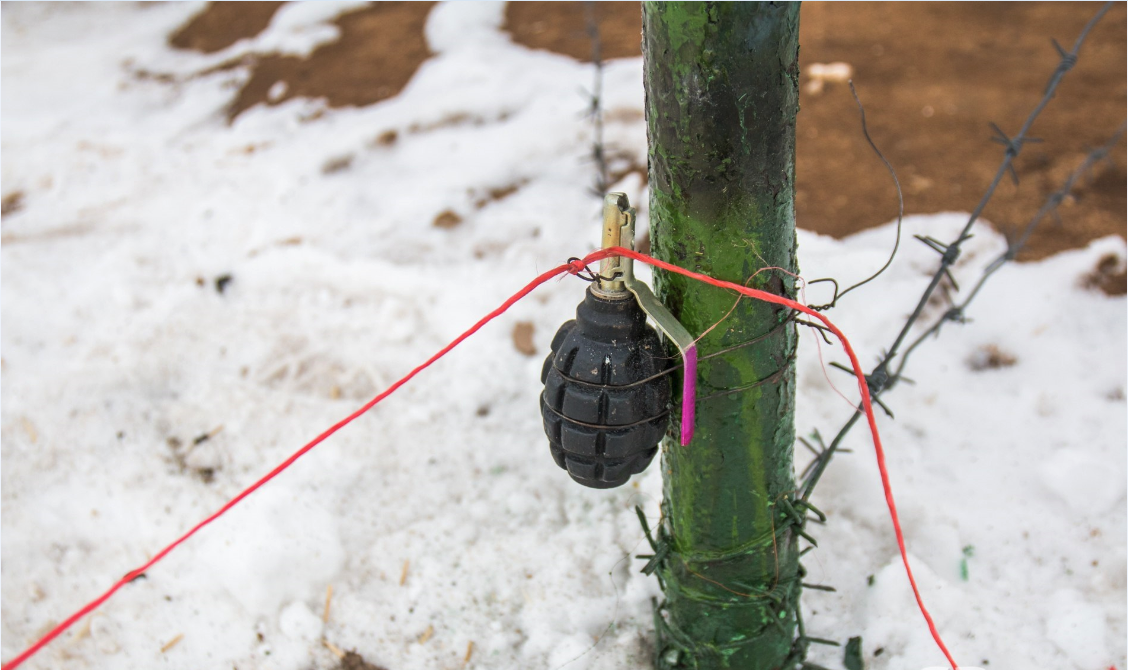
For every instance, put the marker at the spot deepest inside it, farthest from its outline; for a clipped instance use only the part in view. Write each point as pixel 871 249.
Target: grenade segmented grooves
pixel 603 412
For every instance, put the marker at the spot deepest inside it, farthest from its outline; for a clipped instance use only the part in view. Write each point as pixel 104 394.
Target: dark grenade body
pixel 604 410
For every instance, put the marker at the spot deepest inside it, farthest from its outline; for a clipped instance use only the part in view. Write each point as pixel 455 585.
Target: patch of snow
pixel 1077 628
pixel 465 26
pixel 442 510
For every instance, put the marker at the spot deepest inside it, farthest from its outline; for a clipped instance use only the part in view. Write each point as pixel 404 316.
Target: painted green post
pixel 721 98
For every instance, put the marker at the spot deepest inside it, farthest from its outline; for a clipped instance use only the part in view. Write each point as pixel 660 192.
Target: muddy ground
pixel 933 77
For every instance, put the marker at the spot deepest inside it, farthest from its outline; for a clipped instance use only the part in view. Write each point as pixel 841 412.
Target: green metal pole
pixel 721 98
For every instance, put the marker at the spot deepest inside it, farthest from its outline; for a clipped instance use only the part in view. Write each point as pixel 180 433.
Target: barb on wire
pixel 900 214
pixel 1052 202
pixel 817 451
pixel 1013 146
pixel 956 312
pixel 881 378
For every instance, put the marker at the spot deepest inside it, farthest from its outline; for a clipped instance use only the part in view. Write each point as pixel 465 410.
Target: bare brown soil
pixel 562 27
pixel 932 75
pixel 222 24
pixel 379 49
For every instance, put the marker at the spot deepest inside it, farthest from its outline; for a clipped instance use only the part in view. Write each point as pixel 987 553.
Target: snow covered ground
pixel 439 520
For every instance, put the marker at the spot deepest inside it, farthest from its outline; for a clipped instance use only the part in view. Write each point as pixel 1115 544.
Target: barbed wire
pixel 955 313
pixel 598 155
pixel 881 379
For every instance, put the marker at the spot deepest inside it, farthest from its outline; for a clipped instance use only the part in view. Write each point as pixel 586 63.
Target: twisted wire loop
pixel 900 217
pixel 577 267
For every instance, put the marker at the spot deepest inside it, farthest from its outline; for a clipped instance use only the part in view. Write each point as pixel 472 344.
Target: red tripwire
pixel 572 268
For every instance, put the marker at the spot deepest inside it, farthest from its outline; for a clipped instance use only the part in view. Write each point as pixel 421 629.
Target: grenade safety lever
pixel 606 394
pixel 666 322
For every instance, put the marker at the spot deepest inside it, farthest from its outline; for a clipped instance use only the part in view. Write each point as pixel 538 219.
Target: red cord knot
pixel 578 268
pixel 576 265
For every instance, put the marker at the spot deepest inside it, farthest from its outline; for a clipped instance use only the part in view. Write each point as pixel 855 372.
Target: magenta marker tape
pixel 689 394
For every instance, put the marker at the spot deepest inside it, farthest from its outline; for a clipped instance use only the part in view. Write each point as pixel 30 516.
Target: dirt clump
pixel 354 661
pixel 338 164
pixel 523 338
pixel 498 193
pixel 1109 276
pixel 990 357
pixel 12 203
pixel 447 219
pixel 386 138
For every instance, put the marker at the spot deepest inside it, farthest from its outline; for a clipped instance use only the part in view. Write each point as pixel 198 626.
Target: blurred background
pixel 931 75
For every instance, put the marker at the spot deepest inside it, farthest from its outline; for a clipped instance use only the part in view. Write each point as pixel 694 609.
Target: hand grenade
pixel 606 387
pixel 605 400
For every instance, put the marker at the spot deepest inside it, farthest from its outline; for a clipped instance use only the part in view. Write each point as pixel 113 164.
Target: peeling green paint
pixel 722 93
